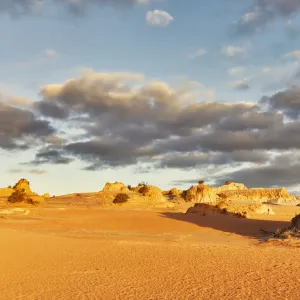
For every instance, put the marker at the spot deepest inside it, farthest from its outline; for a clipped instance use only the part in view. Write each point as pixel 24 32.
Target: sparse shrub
pixel 19 196
pixel 129 186
pixel 143 183
pixel 201 181
pixel 78 195
pixel 121 198
pixel 9 187
pixel 227 182
pixel 278 232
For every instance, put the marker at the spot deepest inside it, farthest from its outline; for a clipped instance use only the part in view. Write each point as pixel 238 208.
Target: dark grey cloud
pixel 287 101
pixel 242 86
pixel 105 152
pixel 17 124
pixel 200 160
pixel 51 156
pixel 266 176
pixel 50 109
pixel 251 120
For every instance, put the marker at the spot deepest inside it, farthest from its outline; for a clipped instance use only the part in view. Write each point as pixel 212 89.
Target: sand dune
pixel 63 251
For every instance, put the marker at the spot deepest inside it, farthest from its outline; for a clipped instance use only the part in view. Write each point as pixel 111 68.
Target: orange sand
pixel 77 252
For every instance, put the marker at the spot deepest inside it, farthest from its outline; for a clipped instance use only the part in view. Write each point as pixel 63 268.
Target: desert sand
pixel 71 248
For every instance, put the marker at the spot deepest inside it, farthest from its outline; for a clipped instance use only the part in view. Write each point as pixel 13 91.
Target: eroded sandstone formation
pixel 144 195
pixel 237 192
pixel 115 187
pixel 22 186
pixel 233 209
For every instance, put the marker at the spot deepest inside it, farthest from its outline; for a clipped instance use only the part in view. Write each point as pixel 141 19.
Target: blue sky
pixel 236 51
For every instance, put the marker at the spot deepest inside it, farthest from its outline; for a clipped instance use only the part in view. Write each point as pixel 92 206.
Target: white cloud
pixel 47 55
pixel 236 70
pixel 294 54
pixel 158 18
pixel 231 51
pixel 200 52
pixel 50 52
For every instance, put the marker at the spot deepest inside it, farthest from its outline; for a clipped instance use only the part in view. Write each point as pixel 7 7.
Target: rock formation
pixel 115 187
pixel 237 192
pixel 142 195
pixel 22 186
pixel 229 208
pixel 175 193
pixel 275 195
pixel 205 194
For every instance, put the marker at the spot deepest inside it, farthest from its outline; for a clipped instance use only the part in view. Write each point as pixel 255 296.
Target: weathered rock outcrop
pixel 150 196
pixel 205 194
pixel 142 195
pixel 237 192
pixel 175 193
pixel 229 208
pixel 23 186
pixel 115 187
pixel 275 195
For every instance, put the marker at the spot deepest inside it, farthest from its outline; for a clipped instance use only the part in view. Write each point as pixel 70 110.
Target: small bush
pixel 143 183
pixel 228 182
pixel 201 181
pixel 121 198
pixel 9 187
pixel 129 186
pixel 18 197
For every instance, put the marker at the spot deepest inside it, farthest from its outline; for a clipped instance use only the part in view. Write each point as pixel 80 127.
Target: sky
pixel 163 91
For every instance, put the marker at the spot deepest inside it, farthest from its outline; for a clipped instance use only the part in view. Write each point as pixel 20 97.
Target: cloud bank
pixel 123 119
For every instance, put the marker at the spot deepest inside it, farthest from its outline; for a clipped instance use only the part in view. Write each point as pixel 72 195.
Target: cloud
pixel 274 174
pixel 21 7
pixel 159 18
pixel 231 51
pixel 17 124
pixel 241 85
pixel 125 119
pixel 287 101
pixel 236 70
pixel 294 54
pixel 50 52
pixel 277 77
pixel 50 156
pixel 192 160
pixel 37 171
pixel 262 12
pixel 46 56
pixel 32 171
pixel 200 52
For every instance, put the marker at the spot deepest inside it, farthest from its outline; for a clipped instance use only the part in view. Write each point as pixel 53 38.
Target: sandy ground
pixel 86 252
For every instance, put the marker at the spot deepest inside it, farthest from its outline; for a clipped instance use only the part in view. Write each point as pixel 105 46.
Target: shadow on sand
pixel 230 223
